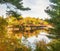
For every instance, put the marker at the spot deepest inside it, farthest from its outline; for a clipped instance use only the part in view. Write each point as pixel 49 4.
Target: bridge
pixel 30 28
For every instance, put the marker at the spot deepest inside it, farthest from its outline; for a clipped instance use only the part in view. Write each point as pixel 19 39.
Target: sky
pixel 37 8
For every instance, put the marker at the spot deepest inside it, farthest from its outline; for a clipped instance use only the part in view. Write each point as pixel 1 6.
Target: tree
pixel 3 25
pixel 54 12
pixel 54 45
pixel 16 4
pixel 41 46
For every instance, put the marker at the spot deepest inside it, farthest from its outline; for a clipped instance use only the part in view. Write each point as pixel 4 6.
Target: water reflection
pixel 32 40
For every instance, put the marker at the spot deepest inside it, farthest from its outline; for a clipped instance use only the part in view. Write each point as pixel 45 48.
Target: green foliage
pixel 54 45
pixel 16 4
pixel 54 12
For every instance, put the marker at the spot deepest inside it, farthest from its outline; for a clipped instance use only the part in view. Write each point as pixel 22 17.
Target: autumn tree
pixel 3 25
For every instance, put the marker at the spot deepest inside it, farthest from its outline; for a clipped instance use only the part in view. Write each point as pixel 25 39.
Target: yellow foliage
pixel 28 21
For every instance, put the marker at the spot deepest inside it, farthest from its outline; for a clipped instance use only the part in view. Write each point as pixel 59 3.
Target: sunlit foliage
pixel 10 39
pixel 22 23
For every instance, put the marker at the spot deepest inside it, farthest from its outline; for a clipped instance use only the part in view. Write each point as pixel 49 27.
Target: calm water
pixel 32 40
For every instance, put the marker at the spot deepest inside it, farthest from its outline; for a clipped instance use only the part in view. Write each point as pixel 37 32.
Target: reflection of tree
pixel 3 26
pixel 41 46
pixel 26 26
pixel 54 45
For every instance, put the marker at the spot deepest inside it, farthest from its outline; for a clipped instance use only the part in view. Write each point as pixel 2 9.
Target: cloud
pixel 37 8
pixel 2 10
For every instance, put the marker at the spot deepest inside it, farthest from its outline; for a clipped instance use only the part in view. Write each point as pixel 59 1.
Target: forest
pixel 15 26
